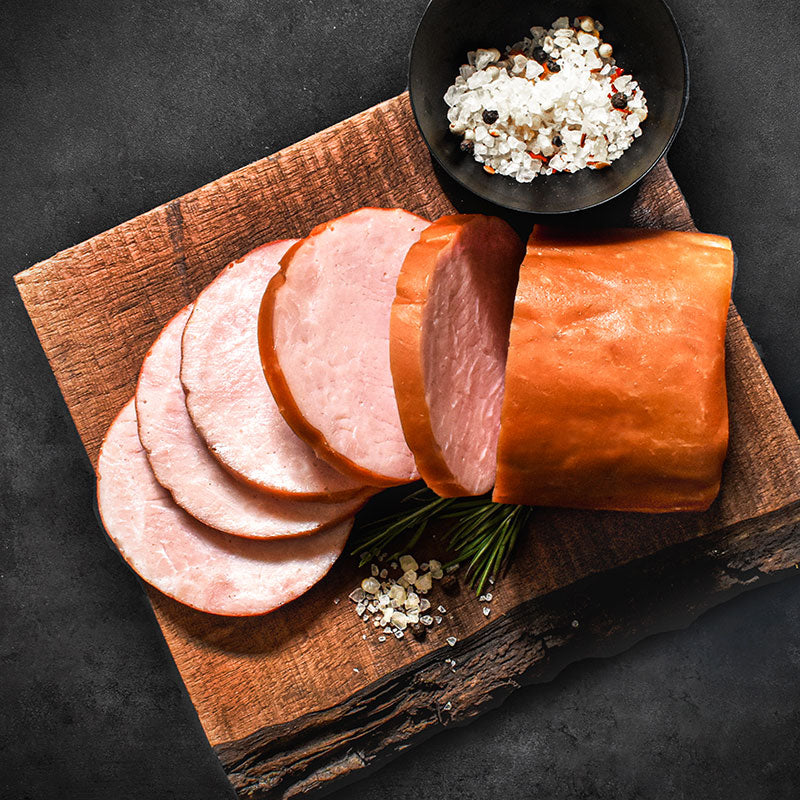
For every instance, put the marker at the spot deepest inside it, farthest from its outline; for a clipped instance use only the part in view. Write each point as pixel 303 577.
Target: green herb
pixel 481 536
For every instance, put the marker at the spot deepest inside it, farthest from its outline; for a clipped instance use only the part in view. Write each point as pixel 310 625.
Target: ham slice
pixel 449 339
pixel 184 466
pixel 228 399
pixel 324 336
pixel 615 383
pixel 190 562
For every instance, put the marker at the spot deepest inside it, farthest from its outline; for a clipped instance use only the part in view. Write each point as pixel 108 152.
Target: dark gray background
pixel 109 109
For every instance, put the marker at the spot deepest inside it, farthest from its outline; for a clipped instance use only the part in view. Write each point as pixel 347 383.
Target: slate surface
pixel 110 109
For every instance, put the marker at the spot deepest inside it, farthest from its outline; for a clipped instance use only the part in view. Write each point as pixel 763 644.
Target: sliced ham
pixel 449 339
pixel 229 400
pixel 324 335
pixel 184 466
pixel 615 383
pixel 192 563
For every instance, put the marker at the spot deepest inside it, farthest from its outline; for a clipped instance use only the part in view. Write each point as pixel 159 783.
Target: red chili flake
pixel 617 72
pixel 598 164
pixel 537 156
pixel 583 139
pixel 494 133
pixel 490 170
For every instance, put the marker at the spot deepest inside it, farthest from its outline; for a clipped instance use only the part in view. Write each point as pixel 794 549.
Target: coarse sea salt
pixel 554 102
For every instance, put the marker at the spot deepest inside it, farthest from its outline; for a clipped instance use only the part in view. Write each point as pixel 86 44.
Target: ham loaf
pixel 324 338
pixel 184 466
pixel 188 561
pixel 449 339
pixel 229 400
pixel 615 381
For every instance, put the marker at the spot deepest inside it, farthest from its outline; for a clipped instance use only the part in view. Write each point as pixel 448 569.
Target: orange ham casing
pixel 615 382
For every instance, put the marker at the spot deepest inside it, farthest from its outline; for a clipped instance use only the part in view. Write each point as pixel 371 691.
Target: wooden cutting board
pixel 298 700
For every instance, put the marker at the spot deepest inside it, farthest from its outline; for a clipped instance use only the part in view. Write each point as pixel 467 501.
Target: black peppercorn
pixel 419 631
pixel 553 65
pixel 466 146
pixel 490 116
pixel 619 100
pixel 557 140
pixel 539 55
pixel 450 585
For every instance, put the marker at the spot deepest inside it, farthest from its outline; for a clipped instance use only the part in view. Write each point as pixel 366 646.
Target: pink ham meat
pixel 449 340
pixel 324 336
pixel 190 562
pixel 228 399
pixel 183 465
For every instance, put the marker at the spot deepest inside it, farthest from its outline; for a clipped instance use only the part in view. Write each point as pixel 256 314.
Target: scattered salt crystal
pixel 424 583
pixel 370 585
pixel 447 706
pixel 398 634
pixel 356 595
pixel 397 595
pixel 441 609
pixel 424 604
pixel 381 638
pixel 437 619
pixel 399 620
pixel 355 669
pixel 451 640
pixel 373 569
pixel 408 563
pixel 486 611
pixel 426 620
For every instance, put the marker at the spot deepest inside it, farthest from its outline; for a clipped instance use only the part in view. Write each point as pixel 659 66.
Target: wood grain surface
pixel 298 700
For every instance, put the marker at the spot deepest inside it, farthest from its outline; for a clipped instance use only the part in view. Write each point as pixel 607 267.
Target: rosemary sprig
pixel 482 534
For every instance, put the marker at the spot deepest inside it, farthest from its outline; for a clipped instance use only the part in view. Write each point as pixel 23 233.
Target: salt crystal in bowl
pixel 646 43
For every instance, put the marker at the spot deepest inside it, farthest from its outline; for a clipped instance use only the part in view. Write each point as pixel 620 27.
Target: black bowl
pixel 647 43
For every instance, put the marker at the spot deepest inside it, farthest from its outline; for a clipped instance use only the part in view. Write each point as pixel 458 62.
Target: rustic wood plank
pixel 597 616
pixel 278 695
